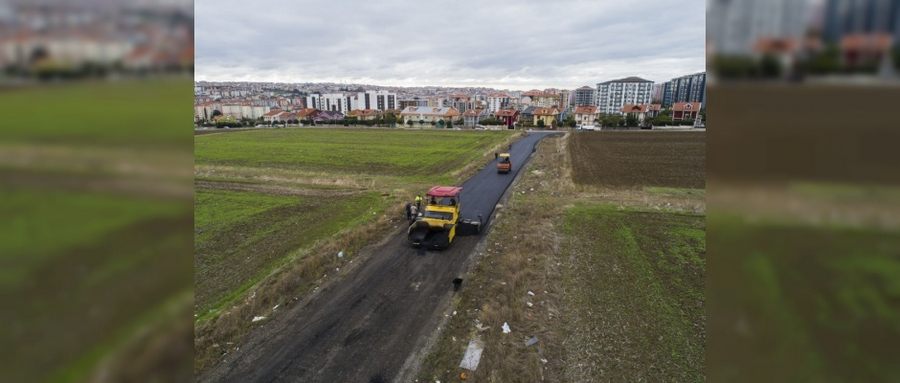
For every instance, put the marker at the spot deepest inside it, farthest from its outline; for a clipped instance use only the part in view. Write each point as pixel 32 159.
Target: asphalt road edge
pixel 413 363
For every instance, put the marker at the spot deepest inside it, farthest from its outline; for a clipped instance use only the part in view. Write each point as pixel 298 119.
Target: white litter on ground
pixel 529 304
pixel 258 318
pixel 530 293
pixel 506 329
pixel 275 308
pixel 472 356
pixel 341 254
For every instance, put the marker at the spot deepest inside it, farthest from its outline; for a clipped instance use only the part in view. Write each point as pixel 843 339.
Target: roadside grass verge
pixel 812 299
pixel 635 286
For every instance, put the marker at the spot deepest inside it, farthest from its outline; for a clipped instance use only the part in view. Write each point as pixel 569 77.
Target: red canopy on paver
pixel 444 191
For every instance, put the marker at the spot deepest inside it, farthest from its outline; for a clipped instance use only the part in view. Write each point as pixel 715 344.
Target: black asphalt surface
pixel 365 327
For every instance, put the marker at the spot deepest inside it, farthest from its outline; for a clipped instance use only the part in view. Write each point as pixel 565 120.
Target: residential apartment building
pixel 849 17
pixel 585 96
pixel 543 99
pixel 415 101
pixel 374 99
pixel 336 102
pixel 733 27
pixel 690 88
pixel 497 101
pixel 613 95
pixel 565 99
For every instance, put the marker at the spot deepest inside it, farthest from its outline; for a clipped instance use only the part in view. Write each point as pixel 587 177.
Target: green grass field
pixel 129 113
pixel 636 292
pixel 27 242
pixel 813 302
pixel 97 224
pixel 241 237
pixel 429 154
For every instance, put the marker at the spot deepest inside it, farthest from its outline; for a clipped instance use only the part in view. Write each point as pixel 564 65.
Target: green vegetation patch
pixel 78 218
pixel 636 292
pixel 133 113
pixel 243 236
pixel 805 303
pixel 403 153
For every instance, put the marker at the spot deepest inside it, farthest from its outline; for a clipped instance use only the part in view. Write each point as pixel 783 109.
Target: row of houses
pixel 586 115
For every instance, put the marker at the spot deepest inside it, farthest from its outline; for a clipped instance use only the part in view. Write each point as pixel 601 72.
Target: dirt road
pixel 363 328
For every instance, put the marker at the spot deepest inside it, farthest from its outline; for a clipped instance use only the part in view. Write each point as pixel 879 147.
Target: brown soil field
pixel 637 159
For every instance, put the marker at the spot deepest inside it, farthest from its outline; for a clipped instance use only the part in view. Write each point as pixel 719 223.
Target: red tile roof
pixel 631 108
pixel 307 112
pixel 878 42
pixel 506 113
pixel 364 112
pixel 686 107
pixel 586 109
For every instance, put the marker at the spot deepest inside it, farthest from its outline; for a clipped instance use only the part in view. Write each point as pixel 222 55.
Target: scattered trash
pixel 454 312
pixel 544 361
pixel 472 356
pixel 531 342
pixel 530 293
pixel 337 269
pixel 480 326
pixel 258 318
pixel 340 254
pixel 529 304
pixel 463 376
pixel 276 307
pixel 506 329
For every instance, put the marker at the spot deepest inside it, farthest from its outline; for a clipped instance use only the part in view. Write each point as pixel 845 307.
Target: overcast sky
pixel 501 44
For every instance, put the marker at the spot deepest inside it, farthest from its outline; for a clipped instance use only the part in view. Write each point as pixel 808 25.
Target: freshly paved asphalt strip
pixel 363 328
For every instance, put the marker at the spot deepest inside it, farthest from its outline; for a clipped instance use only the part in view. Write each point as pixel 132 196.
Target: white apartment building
pixel 336 102
pixel 375 99
pixel 344 103
pixel 497 101
pixel 613 95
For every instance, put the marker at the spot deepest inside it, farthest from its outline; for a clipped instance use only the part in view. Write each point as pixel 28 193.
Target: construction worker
pixel 418 202
pixel 409 211
pixel 413 213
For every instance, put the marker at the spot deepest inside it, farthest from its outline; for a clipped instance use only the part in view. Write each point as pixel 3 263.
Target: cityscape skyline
pixel 505 45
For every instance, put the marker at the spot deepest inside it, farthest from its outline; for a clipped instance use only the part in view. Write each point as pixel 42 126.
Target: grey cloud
pixel 506 44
